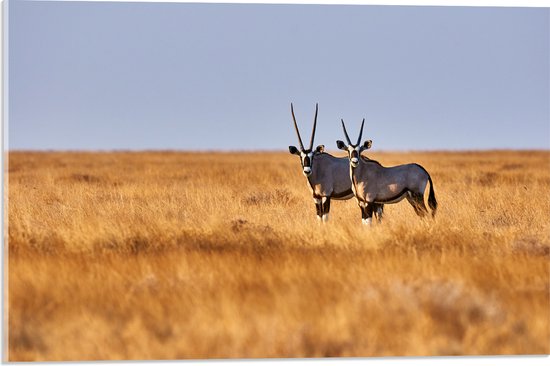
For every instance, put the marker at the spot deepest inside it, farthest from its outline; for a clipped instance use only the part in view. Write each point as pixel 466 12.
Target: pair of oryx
pixel 372 184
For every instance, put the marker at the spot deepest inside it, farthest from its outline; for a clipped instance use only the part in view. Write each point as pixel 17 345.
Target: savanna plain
pixel 174 255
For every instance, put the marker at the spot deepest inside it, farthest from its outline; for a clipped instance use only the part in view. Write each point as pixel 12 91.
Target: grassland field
pixel 182 255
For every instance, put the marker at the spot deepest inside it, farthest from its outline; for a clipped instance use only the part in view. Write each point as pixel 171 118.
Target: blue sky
pixel 102 76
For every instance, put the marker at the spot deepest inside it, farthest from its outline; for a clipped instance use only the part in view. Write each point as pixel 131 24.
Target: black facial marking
pixel 307 162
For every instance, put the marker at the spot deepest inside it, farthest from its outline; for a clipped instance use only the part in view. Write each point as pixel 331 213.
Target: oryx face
pixel 353 155
pixel 306 155
pixel 354 150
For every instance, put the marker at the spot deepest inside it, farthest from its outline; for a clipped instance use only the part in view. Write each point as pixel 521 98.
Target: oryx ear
pixel 293 150
pixel 340 144
pixel 367 144
pixel 320 148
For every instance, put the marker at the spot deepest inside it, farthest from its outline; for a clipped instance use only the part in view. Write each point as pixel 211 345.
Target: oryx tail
pixel 432 202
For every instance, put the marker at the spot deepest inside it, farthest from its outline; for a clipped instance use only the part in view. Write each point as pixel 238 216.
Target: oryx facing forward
pixel 327 176
pixel 374 184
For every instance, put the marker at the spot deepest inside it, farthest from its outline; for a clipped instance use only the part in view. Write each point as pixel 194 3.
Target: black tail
pixel 432 202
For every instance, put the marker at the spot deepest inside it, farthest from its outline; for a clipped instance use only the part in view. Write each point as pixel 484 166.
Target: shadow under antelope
pixel 374 184
pixel 327 176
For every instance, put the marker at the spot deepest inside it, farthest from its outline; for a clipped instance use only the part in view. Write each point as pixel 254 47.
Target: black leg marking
pixel 319 207
pixel 326 206
pixel 363 212
pixel 378 211
pixel 417 202
pixel 369 210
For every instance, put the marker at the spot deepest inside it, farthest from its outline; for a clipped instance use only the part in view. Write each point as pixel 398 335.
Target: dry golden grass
pixel 163 255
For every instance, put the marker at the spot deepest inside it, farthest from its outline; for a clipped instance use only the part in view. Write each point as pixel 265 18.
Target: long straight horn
pixel 360 132
pixel 296 127
pixel 346 132
pixel 314 126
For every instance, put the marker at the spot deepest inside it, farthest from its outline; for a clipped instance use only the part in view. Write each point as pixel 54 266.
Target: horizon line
pixel 244 151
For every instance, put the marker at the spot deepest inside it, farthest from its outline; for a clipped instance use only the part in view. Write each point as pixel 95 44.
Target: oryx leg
pixel 367 210
pixel 378 211
pixel 325 203
pixel 319 207
pixel 417 202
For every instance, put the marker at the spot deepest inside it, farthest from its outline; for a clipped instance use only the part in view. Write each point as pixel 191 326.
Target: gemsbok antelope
pixel 374 184
pixel 327 176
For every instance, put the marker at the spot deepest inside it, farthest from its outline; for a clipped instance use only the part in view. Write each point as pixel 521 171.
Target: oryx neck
pixel 365 159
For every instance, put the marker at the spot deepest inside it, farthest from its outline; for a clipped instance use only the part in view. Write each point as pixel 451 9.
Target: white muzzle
pixel 307 171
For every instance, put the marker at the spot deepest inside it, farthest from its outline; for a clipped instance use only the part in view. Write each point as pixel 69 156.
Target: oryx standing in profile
pixel 327 176
pixel 374 184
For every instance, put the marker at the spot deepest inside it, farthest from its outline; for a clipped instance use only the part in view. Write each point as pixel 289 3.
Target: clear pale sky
pixel 90 76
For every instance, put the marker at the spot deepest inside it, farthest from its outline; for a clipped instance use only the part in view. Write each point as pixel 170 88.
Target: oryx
pixel 327 176
pixel 374 184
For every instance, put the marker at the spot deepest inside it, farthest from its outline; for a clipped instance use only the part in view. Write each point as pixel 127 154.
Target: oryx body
pixel 329 179
pixel 327 176
pixel 374 184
